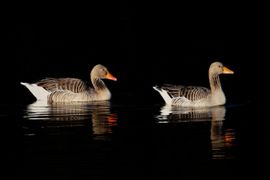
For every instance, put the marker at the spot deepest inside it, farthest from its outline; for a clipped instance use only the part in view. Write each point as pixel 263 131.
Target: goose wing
pixel 191 93
pixel 55 84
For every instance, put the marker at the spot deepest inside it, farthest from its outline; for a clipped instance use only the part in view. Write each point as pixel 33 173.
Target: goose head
pixel 219 68
pixel 101 72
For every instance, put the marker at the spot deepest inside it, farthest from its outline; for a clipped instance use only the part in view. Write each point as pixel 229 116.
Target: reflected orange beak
pixel 227 70
pixel 111 77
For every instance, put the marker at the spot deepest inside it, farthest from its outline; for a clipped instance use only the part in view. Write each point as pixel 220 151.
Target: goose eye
pixel 104 71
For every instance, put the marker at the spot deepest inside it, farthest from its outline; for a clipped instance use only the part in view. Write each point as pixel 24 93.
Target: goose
pixel 196 96
pixel 73 89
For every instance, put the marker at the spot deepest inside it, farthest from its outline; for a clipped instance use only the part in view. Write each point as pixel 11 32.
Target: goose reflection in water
pixel 221 138
pixel 94 115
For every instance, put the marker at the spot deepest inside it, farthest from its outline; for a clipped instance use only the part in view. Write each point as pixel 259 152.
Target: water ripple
pixel 221 139
pixel 96 115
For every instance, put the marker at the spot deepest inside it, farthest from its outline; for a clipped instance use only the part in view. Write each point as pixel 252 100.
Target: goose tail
pixel 164 94
pixel 39 92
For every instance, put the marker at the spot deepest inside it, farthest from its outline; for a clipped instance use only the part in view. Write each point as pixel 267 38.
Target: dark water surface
pixel 118 141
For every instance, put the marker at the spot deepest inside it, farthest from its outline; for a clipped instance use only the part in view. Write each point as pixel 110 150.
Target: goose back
pixel 55 84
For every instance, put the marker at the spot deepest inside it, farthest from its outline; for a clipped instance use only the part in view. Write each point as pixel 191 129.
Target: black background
pixel 141 45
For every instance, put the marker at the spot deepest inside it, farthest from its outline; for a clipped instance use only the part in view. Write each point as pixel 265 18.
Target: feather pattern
pixel 71 84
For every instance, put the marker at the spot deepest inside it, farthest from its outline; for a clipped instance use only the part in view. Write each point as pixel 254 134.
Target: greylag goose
pixel 195 96
pixel 72 89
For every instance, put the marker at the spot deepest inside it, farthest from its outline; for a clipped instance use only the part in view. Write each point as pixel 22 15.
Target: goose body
pixel 196 96
pixel 73 89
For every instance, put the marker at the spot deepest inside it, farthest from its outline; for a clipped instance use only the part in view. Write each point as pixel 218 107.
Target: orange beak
pixel 111 77
pixel 227 70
